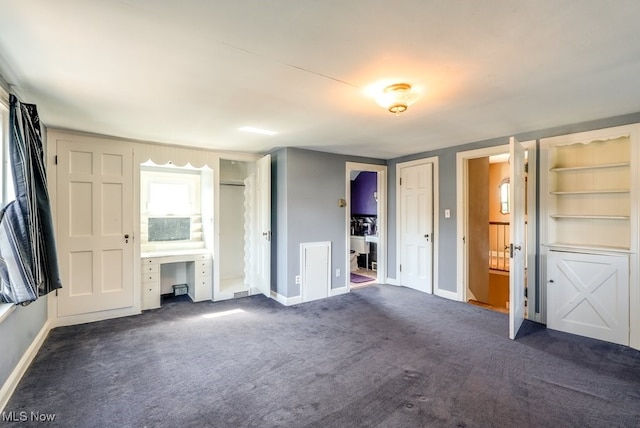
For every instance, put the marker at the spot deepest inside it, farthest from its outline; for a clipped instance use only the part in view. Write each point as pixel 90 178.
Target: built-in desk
pixel 199 281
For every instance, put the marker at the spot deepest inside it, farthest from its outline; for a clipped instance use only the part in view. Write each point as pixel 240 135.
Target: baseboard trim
pixel 93 317
pixel 338 291
pixel 451 295
pixel 287 301
pixel 392 281
pixel 20 369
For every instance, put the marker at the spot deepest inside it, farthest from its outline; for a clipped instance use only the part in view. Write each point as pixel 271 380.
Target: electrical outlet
pixel 337 272
pixel 447 213
pixel 297 279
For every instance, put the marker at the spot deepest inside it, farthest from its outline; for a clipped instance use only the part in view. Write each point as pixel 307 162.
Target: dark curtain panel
pixel 28 258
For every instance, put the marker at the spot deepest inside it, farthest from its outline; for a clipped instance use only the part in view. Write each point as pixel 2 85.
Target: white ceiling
pixel 193 71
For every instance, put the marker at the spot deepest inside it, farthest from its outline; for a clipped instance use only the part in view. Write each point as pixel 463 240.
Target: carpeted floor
pixel 380 356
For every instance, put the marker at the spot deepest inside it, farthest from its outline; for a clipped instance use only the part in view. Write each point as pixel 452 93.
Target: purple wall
pixel 362 188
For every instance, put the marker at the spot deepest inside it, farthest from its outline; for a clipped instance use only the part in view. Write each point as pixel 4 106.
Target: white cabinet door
pixel 416 224
pixel 95 224
pixel 588 295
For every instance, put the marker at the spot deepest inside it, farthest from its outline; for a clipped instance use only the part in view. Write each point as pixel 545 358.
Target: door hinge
pixel 55 160
pixel 400 268
pixel 464 239
pixel 401 181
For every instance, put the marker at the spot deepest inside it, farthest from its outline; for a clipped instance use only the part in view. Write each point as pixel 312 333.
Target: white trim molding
pixel 382 245
pixel 286 301
pixel 338 291
pixel 462 210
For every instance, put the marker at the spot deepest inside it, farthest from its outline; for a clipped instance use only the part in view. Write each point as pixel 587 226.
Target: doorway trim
pixel 382 219
pixel 461 221
pixel 436 230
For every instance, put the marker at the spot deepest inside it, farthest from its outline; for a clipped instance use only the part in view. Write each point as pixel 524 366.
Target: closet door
pixel 416 227
pixel 588 295
pixel 263 207
pixel 95 226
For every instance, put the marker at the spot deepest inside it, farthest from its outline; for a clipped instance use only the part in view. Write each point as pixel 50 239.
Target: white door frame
pixel 382 219
pixel 436 231
pixel 461 221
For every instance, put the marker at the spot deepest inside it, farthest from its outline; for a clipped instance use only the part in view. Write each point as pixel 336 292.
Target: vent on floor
pixel 240 294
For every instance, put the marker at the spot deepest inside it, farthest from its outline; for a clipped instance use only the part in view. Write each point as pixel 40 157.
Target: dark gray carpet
pixel 380 356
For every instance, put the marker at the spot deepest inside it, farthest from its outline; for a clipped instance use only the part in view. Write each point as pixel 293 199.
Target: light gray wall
pixel 447 244
pixel 307 187
pixel 17 332
pixel 279 230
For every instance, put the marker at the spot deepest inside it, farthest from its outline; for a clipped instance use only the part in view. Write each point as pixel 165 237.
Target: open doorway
pixel 366 224
pixel 488 220
pixel 484 227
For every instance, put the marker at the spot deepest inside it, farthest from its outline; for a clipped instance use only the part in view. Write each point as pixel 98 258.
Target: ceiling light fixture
pixel 397 97
pixel 257 130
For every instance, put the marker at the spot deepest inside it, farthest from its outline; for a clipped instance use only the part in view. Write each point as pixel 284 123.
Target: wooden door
pixel 517 252
pixel 588 294
pixel 416 227
pixel 95 224
pixel 263 206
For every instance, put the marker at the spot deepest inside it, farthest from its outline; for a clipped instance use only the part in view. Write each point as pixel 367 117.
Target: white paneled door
pixel 95 225
pixel 263 206
pixel 416 225
pixel 517 224
pixel 588 294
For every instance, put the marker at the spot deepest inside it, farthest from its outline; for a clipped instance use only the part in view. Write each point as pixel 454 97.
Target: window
pixel 6 192
pixel 5 164
pixel 504 196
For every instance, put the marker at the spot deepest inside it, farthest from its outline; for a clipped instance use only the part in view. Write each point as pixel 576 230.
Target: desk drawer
pixel 203 268
pixel 150 296
pixel 148 268
pixel 150 277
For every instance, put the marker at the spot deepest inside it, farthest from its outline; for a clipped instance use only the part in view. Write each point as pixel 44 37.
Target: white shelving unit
pixel 589 216
pixel 589 193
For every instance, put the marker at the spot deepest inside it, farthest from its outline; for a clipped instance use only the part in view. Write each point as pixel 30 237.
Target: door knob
pixel 126 238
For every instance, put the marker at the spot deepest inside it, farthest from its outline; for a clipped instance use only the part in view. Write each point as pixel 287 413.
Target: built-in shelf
pixel 591 217
pixel 562 246
pixel 589 192
pixel 590 167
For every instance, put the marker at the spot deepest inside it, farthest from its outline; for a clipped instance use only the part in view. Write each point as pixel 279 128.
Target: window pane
pixel 169 198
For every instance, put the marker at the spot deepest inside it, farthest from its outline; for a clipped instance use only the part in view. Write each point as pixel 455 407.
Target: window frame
pixel 6 191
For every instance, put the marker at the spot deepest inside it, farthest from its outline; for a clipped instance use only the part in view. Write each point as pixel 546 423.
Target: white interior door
pixel 517 274
pixel 416 224
pixel 263 206
pixel 588 294
pixel 95 224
